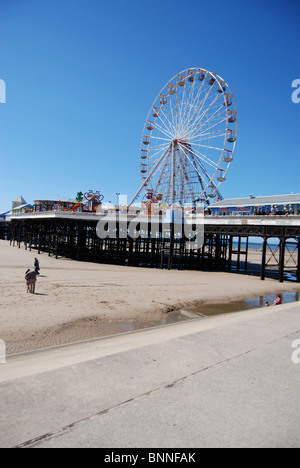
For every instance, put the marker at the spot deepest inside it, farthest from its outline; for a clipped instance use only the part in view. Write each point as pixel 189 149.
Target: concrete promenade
pixel 226 381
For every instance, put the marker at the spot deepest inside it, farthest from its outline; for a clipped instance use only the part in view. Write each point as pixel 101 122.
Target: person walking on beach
pixel 36 266
pixel 31 276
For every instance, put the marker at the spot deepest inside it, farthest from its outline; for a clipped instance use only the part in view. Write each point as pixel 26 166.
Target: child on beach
pixel 278 301
pixel 27 279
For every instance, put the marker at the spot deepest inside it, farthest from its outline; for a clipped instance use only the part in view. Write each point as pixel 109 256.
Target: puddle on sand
pixel 208 310
pixel 239 306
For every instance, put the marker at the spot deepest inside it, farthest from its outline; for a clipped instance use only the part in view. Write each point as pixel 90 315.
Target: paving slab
pixel 224 381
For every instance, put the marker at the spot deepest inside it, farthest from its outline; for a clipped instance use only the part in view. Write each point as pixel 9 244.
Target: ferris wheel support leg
pixel 138 192
pixel 220 197
pixel 148 178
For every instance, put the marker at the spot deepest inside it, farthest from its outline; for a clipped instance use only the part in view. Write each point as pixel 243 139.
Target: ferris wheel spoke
pixel 171 125
pixel 173 112
pixel 207 146
pixel 180 105
pixel 189 98
pixel 201 159
pixel 184 122
pixel 154 137
pixel 173 104
pixel 220 122
pixel 185 105
pixel 193 106
pixel 209 113
pixel 208 130
pixel 167 133
pixel 211 106
pixel 207 136
pixel 200 105
pixel 158 148
pixel 201 116
pixel 212 116
pixel 193 100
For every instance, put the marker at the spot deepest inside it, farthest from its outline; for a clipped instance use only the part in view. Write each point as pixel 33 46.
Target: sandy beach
pixel 78 300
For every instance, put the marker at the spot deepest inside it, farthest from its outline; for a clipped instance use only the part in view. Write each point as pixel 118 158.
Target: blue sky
pixel 81 76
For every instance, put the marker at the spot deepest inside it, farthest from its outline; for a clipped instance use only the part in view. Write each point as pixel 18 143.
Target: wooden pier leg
pixel 25 235
pixel 31 235
pixel 230 253
pixel 298 264
pixel 281 260
pixel 14 233
pixel 80 240
pixel 171 251
pixel 217 251
pixel 39 240
pixel 246 254
pixel 263 260
pixel 19 235
pixel 239 254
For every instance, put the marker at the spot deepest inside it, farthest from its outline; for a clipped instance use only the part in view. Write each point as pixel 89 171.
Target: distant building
pixel 262 205
pixel 22 209
pixel 19 206
pixel 3 215
pixel 18 202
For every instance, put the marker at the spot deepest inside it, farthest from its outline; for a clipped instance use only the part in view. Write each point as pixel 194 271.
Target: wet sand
pixel 77 301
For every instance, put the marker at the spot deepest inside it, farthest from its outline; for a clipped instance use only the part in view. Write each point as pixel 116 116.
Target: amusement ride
pixel 188 140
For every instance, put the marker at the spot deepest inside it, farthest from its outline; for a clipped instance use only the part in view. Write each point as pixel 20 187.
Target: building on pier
pixel 260 206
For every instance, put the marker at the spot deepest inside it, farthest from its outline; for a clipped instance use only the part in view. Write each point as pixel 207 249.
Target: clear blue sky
pixel 81 76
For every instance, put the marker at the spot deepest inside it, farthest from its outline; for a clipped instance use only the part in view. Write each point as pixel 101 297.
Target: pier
pixel 225 245
pixel 4 229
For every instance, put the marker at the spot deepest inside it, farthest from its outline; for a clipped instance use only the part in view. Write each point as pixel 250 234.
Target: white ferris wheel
pixel 188 139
